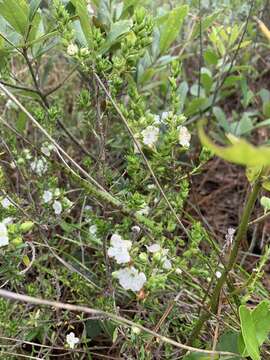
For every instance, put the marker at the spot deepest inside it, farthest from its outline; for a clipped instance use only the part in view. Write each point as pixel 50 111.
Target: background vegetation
pixel 126 232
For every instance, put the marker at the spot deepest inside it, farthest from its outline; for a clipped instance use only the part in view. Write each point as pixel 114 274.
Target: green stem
pixel 241 234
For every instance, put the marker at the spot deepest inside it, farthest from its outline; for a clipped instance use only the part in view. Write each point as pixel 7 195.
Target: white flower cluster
pixel 72 49
pixel 184 136
pixel 39 166
pixel 129 277
pixel 72 340
pixel 150 135
pixel 119 249
pixel 49 196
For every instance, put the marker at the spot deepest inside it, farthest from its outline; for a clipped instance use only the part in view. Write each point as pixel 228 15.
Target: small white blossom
pixel 72 340
pixel 135 330
pixel 47 196
pixel 150 135
pixel 119 249
pixel 89 8
pixel 144 211
pixel 3 234
pixel 39 166
pixel 10 105
pixel 218 274
pixel 157 119
pixel 8 220
pixel 57 207
pixel 130 278
pixel 6 203
pixel 184 136
pixel 93 229
pixel 166 264
pixel 165 115
pixel 72 49
pixel 153 248
pixel 47 148
pixel 136 229
pixel 13 165
pixel 88 208
pixel 178 271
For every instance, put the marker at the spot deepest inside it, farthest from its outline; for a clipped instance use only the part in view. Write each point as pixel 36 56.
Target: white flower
pixel 39 166
pixel 150 135
pixel 57 192
pixel 144 211
pixel 178 271
pixel 157 119
pixel 72 340
pixel 166 264
pixel 10 105
pixel 130 278
pixel 6 203
pixel 89 8
pixel 3 234
pixel 153 248
pixel 47 148
pixel 165 115
pixel 184 136
pixel 84 52
pixel 218 274
pixel 119 249
pixel 57 207
pixel 47 196
pixel 72 49
pixel 93 229
pixel 136 229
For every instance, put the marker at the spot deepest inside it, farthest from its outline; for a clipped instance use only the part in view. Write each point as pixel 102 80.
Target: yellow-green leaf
pixel 239 152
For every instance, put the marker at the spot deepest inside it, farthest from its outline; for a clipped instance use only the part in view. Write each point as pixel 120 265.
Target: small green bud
pixel 26 226
pixel 143 257
pixel 17 241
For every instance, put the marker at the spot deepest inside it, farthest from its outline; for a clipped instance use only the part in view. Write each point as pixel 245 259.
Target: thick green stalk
pixel 241 234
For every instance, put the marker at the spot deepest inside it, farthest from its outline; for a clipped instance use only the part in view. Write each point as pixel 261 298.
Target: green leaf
pixel 81 8
pixel 249 333
pixel 265 202
pixel 205 24
pixel 261 318
pixel 117 30
pixel 221 118
pixel 172 26
pixel 34 5
pixel 15 12
pixel 240 152
pixel 229 342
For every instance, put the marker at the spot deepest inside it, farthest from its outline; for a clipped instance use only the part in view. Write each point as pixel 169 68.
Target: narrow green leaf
pixel 249 333
pixel 172 26
pixel 81 8
pixel 34 5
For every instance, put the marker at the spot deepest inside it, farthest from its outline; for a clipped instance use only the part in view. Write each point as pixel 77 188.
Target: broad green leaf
pixel 240 152
pixel 229 342
pixel 81 8
pixel 15 12
pixel 210 57
pixel 205 24
pixel 117 30
pixel 261 318
pixel 249 333
pixel 172 26
pixel 195 105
